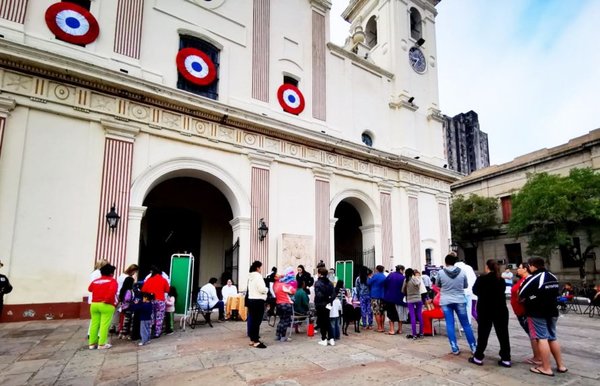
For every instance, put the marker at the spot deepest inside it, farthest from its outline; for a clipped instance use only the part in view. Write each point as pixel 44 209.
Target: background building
pixel 197 121
pixel 501 181
pixel 466 145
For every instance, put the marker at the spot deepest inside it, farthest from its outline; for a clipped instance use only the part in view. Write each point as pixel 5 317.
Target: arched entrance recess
pixel 168 188
pixel 355 233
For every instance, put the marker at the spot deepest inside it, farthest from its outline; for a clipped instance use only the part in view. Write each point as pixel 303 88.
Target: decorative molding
pixel 322 174
pixel 442 198
pixel 385 186
pixel 239 223
pixel 412 191
pixel 260 160
pixel 401 102
pixel 322 6
pixel 120 130
pixel 136 212
pixel 360 62
pixel 435 114
pixel 6 106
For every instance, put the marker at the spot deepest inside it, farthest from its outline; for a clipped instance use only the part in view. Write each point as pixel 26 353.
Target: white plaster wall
pixel 56 211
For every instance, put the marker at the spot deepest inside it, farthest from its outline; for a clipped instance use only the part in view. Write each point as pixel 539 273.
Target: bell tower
pixel 399 36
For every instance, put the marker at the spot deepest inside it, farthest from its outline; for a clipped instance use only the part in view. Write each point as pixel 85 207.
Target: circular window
pixel 367 139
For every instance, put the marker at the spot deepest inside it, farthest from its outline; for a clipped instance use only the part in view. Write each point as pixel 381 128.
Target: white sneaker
pixel 331 342
pixel 323 342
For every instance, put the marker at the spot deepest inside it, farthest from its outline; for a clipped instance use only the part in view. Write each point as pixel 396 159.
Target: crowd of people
pixel 402 296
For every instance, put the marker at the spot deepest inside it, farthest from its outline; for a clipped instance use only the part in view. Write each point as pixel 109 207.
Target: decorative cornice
pixel 442 198
pixel 435 114
pixel 136 212
pixel 88 89
pixel 360 61
pixel 385 187
pixel 239 223
pixel 412 191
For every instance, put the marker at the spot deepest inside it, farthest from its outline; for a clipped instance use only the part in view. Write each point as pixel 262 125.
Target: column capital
pixel 385 187
pixel 259 160
pixel 412 191
pixel 240 223
pixel 442 198
pixel 6 106
pixel 322 174
pixel 321 5
pixel 137 212
pixel 119 130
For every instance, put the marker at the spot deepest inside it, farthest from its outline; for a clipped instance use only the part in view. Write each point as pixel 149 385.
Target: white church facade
pixel 196 122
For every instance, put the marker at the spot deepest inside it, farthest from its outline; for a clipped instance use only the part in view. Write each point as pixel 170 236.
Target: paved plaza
pixel 55 353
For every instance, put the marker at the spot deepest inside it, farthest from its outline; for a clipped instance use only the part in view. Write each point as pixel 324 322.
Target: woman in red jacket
pixel 104 300
pixel 159 286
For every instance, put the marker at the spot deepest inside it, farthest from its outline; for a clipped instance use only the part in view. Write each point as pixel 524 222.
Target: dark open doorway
pixel 186 215
pixel 348 236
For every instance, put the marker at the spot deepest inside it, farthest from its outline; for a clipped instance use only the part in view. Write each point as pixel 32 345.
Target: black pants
pixel 256 309
pixel 169 322
pixel 323 322
pixel 499 319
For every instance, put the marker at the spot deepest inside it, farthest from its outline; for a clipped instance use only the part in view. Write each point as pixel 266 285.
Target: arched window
pixel 367 139
pixel 371 32
pixel 415 24
pixel 212 90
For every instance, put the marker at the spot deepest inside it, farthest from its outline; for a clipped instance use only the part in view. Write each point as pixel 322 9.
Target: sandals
pixel 562 371
pixel 536 370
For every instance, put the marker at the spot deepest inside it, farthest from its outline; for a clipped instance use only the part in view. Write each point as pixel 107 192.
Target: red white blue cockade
pixel 290 98
pixel 195 66
pixel 72 23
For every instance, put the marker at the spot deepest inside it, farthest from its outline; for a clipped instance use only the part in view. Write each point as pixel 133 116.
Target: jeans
pixel 335 327
pixel 461 312
pixel 145 330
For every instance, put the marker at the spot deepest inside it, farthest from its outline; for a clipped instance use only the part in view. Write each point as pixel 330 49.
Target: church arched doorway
pixel 348 236
pixel 186 215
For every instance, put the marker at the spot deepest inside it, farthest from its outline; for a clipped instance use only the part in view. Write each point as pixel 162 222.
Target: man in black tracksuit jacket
pixel 539 293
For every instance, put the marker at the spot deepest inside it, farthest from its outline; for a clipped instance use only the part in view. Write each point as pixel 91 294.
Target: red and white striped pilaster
pixel 444 225
pixel 13 10
pixel 415 233
pixel 128 30
pixel 259 250
pixel 319 72
pixel 111 244
pixel 322 222
pixel 261 20
pixel 387 247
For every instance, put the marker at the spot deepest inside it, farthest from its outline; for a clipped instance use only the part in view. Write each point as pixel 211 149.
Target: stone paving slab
pixel 55 353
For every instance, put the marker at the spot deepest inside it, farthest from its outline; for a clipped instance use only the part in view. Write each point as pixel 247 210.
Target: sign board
pixel 182 274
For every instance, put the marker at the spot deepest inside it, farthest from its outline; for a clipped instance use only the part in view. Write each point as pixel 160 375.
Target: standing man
pixel 507 275
pixel 471 298
pixel 539 293
pixel 392 295
pixel 375 284
pixel 5 288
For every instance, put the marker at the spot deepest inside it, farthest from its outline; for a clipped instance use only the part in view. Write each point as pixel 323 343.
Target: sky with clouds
pixel 529 68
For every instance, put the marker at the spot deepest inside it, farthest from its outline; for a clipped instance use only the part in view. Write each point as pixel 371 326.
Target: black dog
pixel 350 314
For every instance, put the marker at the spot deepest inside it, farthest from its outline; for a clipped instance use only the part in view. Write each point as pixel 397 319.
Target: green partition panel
pixel 182 268
pixel 345 271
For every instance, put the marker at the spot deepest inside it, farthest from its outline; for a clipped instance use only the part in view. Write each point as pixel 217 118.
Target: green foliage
pixel 473 218
pixel 550 208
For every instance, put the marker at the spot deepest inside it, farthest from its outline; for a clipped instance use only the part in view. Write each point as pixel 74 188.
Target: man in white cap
pixel 5 288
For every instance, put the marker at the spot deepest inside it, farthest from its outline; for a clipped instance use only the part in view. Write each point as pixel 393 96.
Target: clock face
pixel 417 60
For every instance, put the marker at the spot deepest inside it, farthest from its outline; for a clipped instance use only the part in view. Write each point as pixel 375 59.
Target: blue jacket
pixel 393 288
pixel 375 282
pixel 143 310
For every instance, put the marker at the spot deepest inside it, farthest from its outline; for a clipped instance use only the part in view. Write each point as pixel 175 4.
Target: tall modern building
pixel 232 130
pixel 466 145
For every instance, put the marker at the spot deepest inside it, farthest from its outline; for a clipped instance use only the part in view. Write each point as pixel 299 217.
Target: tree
pixel 551 209
pixel 472 219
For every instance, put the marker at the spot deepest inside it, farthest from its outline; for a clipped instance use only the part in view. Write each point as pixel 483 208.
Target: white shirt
pixel 471 277
pixel 227 291
pixel 93 276
pixel 336 308
pixel 212 294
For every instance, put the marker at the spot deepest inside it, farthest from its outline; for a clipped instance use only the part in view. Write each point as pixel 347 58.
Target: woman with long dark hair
pixel 257 294
pixel 363 294
pixel 491 311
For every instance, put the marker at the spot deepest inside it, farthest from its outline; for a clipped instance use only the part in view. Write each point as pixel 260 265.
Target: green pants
pixel 101 316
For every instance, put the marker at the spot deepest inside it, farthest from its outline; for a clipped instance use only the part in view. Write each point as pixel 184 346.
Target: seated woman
pixel 228 290
pixel 566 296
pixel 435 313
